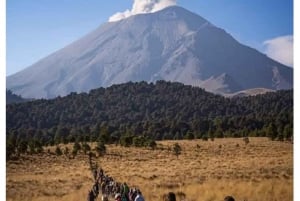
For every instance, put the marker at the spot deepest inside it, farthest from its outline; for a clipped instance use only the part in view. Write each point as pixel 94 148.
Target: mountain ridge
pixel 155 110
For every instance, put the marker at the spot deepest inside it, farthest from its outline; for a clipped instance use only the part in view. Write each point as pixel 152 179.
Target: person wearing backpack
pixel 228 198
pixel 139 196
pixel 91 196
pixel 95 189
pixel 169 197
pixel 125 191
pixel 118 197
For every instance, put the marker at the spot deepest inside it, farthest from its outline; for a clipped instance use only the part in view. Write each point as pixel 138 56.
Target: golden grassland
pixel 205 171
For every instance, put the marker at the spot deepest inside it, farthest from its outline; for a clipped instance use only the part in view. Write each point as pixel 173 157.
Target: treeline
pixel 13 98
pixel 139 113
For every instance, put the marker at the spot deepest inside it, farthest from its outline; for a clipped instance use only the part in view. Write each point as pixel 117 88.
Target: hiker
pixel 170 197
pixel 95 189
pixel 91 196
pixel 132 194
pixel 103 186
pixel 100 173
pixel 118 197
pixel 229 198
pixel 95 174
pixel 125 191
pixel 118 187
pixel 104 198
pixel 139 196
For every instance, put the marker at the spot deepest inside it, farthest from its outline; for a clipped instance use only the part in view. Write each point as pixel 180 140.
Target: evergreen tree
pixel 138 141
pixel 211 135
pixel 85 147
pixel 76 148
pixel 152 144
pixel 10 150
pixel 189 135
pixel 272 131
pixel 66 151
pixel 101 148
pixel 205 137
pixel 104 135
pixel 31 146
pixel 57 138
pixel 22 146
pixel 58 151
pixel 176 149
pixel 288 132
pixel 126 140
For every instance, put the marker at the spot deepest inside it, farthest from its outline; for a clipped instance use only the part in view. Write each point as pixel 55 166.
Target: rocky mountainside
pixel 172 44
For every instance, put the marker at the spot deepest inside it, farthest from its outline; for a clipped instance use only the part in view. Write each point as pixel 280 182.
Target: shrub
pixel 126 140
pixel 58 151
pixel 86 147
pixel 66 151
pixel 22 147
pixel 189 135
pixel 204 137
pixel 152 144
pixel 100 148
pixel 76 147
pixel 176 149
pixel 246 140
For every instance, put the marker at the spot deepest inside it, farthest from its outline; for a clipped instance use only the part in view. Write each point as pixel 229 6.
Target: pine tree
pixel 58 151
pixel 100 148
pixel 76 148
pixel 288 132
pixel 86 147
pixel 176 149
pixel 272 131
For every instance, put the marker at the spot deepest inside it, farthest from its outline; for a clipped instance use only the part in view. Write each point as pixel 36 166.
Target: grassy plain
pixel 205 171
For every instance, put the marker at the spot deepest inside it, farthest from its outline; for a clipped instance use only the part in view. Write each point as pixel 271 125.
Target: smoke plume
pixel 143 6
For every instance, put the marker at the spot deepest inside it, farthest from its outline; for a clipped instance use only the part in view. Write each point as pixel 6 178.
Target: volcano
pixel 173 44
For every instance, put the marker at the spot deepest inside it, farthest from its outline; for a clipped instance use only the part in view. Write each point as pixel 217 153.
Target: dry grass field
pixel 205 171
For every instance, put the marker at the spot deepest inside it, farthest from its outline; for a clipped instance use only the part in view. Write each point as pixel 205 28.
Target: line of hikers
pixel 121 191
pixel 109 187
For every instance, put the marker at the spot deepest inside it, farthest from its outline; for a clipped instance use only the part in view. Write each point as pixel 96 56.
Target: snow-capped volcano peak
pixel 172 44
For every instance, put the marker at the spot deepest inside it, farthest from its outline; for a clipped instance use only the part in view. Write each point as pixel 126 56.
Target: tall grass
pixel 205 171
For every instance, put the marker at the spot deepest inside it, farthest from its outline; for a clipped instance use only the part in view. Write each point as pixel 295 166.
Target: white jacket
pixel 139 198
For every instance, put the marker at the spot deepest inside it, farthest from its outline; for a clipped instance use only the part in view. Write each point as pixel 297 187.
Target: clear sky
pixel 37 28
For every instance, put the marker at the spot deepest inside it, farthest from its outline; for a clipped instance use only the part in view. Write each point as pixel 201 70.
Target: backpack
pixel 139 198
pixel 125 189
pixel 124 198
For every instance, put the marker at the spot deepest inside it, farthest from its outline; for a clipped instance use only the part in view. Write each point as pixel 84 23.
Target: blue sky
pixel 37 28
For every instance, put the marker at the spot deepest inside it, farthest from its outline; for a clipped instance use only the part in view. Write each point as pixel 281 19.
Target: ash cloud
pixel 142 6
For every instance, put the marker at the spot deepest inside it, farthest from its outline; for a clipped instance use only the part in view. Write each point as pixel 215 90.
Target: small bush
pixel 86 148
pixel 66 151
pixel 204 137
pixel 246 140
pixel 176 149
pixel 100 148
pixel 58 151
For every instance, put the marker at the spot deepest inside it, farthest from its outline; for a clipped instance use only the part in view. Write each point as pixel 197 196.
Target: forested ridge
pixel 13 98
pixel 159 111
